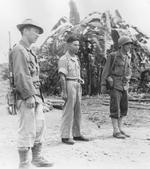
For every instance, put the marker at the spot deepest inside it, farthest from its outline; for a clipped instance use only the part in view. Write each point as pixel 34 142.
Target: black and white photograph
pixel 75 84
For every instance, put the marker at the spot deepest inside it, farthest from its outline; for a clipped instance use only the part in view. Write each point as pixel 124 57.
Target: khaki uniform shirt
pixel 26 72
pixel 121 71
pixel 69 66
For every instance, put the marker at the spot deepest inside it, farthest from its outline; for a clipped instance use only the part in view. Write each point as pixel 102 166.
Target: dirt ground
pixel 101 152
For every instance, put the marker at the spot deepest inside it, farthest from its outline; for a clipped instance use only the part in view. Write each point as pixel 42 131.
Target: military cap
pixel 30 22
pixel 124 40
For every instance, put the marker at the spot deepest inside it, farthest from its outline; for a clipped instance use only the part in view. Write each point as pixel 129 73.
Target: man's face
pixel 32 34
pixel 127 47
pixel 74 47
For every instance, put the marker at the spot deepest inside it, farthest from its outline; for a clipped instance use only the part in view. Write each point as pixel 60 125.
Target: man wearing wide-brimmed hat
pixel 29 99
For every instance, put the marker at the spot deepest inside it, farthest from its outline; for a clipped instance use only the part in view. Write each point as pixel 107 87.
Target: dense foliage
pixel 98 34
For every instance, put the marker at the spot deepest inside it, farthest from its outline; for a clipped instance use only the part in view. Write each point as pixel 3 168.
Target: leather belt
pixel 76 80
pixel 117 75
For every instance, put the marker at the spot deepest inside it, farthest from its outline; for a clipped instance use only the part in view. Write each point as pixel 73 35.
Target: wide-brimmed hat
pixel 30 22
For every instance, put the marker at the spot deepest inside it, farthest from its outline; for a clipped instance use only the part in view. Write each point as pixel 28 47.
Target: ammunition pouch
pixel 37 85
pixel 109 83
pixel 11 101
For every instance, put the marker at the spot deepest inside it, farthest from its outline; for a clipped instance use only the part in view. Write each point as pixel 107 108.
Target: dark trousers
pixel 118 103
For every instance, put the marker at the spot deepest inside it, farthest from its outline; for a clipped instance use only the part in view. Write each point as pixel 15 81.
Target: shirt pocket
pixel 72 69
pixel 119 67
pixel 127 70
pixel 33 68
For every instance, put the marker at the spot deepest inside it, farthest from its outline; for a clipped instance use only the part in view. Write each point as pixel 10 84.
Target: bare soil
pixel 101 152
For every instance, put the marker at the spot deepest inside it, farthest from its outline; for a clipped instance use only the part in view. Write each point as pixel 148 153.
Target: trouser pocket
pixel 18 104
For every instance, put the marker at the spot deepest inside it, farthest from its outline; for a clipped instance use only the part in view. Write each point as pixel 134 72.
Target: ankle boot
pixel 115 125
pixel 24 159
pixel 37 159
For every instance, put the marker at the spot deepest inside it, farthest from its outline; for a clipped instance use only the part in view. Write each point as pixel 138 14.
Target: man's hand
pixel 103 89
pixel 30 102
pixel 64 95
pixel 110 81
pixel 148 84
pixel 81 81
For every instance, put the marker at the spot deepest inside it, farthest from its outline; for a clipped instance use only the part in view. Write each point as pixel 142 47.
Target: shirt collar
pixel 123 57
pixel 70 57
pixel 24 44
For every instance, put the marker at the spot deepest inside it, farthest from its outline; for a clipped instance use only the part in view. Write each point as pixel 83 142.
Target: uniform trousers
pixel 118 103
pixel 71 117
pixel 31 124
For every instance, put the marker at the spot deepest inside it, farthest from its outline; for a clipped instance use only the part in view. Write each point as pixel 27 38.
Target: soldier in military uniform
pixel 69 70
pixel 29 100
pixel 117 73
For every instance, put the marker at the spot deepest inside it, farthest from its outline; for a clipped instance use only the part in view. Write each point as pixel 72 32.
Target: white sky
pixel 47 13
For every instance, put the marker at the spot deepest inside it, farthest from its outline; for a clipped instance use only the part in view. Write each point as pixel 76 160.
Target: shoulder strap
pixel 112 62
pixel 35 57
pixel 67 62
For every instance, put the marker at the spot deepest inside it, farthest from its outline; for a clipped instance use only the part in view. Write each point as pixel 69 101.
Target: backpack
pixel 109 80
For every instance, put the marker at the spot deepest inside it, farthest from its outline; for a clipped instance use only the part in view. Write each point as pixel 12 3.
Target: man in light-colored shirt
pixel 69 70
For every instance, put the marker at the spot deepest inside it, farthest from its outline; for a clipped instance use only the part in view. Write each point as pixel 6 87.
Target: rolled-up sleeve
pixel 22 78
pixel 62 66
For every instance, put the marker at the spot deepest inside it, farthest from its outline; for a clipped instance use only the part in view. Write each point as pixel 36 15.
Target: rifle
pixel 11 95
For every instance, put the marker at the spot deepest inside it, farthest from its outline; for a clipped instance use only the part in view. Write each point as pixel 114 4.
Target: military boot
pixel 37 159
pixel 116 132
pixel 24 159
